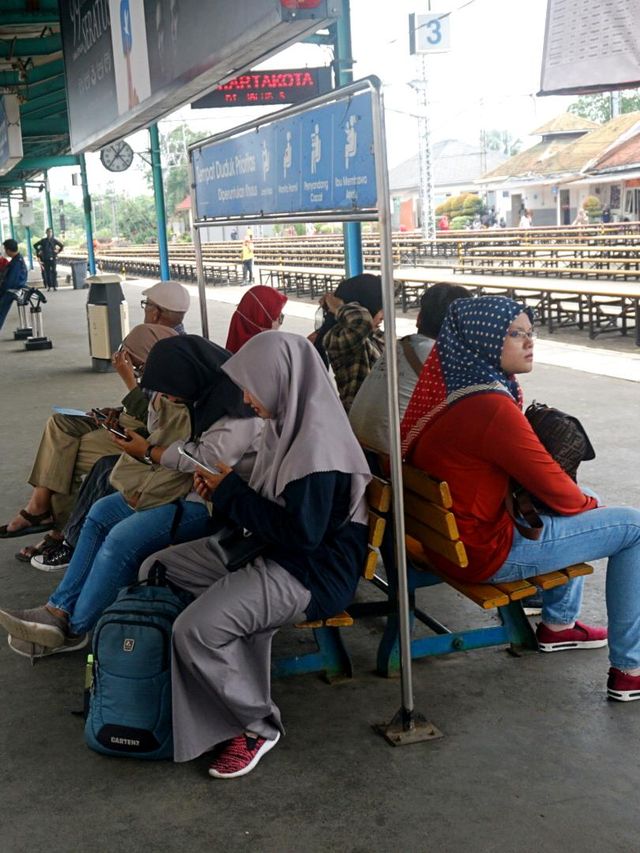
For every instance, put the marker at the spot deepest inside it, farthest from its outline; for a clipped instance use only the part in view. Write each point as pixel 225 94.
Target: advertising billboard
pixel 590 46
pixel 10 133
pixel 130 62
pixel 318 161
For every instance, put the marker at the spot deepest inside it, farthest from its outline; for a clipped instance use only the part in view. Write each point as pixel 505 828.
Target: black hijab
pixel 365 289
pixel 190 369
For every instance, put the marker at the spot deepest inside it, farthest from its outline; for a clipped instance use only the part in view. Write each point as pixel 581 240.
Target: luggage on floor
pixel 130 698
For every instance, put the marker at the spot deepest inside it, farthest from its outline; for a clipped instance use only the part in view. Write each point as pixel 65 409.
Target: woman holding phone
pixel 192 395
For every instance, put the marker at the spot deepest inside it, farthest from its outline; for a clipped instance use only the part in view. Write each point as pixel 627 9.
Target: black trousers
pixel 50 274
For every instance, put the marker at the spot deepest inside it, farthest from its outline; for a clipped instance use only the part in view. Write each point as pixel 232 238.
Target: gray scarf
pixel 308 431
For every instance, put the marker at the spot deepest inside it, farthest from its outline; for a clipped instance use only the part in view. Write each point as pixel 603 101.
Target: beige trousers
pixel 68 449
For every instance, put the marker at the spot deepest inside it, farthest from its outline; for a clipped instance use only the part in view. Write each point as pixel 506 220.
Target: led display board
pixel 268 88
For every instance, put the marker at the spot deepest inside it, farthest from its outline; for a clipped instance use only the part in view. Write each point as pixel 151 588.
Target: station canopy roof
pixel 32 67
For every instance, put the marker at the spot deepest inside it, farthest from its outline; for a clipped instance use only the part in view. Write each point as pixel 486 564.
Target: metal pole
pixel 426 165
pixel 27 234
pixel 407 726
pixel 47 199
pixel 158 195
pixel 88 227
pixel 197 247
pixel 343 59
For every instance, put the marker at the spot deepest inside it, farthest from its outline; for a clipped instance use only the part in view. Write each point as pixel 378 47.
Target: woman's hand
pixel 205 483
pixel 124 369
pixel 331 302
pixel 135 445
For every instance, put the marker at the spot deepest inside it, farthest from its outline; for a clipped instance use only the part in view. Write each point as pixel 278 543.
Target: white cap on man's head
pixel 170 295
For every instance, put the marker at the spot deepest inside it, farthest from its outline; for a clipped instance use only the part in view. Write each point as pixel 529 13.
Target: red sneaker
pixel 623 687
pixel 581 636
pixel 240 756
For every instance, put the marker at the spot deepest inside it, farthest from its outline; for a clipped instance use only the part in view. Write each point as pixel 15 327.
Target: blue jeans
pixel 113 542
pixel 6 301
pixel 612 532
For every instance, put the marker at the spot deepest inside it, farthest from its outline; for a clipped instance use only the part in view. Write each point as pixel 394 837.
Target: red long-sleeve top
pixel 476 446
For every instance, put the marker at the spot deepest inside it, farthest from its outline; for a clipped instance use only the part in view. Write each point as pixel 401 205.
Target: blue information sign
pixel 319 160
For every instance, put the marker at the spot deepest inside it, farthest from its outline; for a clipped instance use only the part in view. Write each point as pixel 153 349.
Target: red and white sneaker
pixel 581 636
pixel 240 756
pixel 623 687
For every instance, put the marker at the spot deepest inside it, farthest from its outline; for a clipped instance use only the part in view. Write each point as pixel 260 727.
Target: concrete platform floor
pixel 533 759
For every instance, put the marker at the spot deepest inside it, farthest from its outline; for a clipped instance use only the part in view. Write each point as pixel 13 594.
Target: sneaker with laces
pixel 37 625
pixel 581 636
pixel 623 687
pixel 240 756
pixel 53 559
pixel 35 650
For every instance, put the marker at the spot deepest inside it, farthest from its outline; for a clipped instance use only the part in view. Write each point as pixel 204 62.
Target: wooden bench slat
pixel 379 495
pixel 579 570
pixel 377 525
pixel 441 520
pixel 550 580
pixel 453 551
pixel 371 564
pixel 517 589
pixel 340 620
pixel 433 490
pixel 483 594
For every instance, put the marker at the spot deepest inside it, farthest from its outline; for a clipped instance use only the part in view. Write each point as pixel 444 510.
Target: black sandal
pixel 37 524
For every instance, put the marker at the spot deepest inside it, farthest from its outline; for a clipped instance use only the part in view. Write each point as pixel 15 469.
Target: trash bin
pixel 78 274
pixel 107 317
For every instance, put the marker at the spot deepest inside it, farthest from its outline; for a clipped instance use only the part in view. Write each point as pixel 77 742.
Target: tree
pixel 598 107
pixel 501 140
pixel 175 165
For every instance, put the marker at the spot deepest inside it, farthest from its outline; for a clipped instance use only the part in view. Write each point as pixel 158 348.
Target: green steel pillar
pixel 88 227
pixel 11 225
pixel 343 61
pixel 27 237
pixel 47 199
pixel 158 195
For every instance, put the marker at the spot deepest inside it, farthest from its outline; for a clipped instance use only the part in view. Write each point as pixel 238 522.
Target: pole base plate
pixel 22 334
pixel 38 343
pixel 407 728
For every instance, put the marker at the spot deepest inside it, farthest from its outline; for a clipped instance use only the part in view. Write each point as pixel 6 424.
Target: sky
pixel 487 80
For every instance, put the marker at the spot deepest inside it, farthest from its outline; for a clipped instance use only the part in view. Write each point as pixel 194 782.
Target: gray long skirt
pixel 221 647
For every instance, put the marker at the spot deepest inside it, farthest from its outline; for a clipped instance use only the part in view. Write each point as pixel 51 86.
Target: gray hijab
pixel 308 431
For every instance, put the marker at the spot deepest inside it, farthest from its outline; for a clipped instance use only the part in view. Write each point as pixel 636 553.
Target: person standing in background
pixel 47 250
pixel 15 277
pixel 247 259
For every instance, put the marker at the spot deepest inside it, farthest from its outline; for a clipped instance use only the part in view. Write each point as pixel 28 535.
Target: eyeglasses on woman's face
pixel 520 333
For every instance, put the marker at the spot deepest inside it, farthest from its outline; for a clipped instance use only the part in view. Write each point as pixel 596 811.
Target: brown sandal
pixel 25 554
pixel 37 524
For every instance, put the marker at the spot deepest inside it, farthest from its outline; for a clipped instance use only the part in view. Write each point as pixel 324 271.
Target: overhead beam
pixel 38 74
pixel 43 126
pixel 45 19
pixel 11 48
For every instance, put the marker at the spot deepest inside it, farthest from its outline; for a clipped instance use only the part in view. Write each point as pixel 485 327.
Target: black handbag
pixel 566 440
pixel 236 547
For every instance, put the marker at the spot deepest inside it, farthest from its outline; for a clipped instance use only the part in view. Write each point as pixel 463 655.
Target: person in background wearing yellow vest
pixel 247 259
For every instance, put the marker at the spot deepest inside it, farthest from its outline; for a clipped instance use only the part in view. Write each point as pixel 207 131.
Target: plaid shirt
pixel 353 347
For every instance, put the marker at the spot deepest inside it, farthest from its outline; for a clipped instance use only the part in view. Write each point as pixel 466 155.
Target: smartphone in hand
pixel 197 462
pixel 117 432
